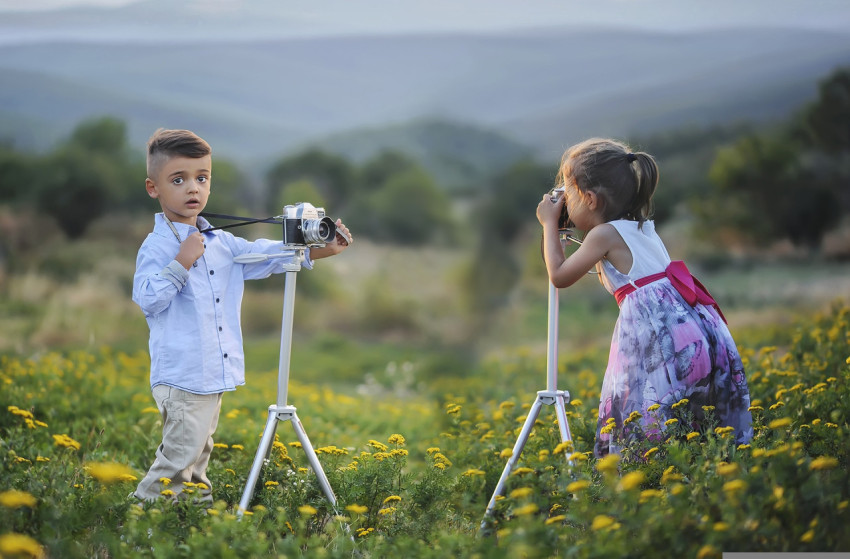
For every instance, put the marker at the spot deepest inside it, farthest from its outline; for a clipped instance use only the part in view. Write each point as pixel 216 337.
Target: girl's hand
pixel 549 211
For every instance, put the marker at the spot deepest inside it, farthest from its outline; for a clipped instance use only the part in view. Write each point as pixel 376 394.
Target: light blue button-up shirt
pixel 194 315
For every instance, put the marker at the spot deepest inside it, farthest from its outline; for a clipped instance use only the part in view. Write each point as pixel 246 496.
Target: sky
pixel 282 18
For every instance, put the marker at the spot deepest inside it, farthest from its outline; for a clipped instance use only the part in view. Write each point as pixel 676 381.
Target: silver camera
pixel 306 225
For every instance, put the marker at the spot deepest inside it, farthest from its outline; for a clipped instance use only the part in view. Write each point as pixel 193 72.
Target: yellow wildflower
pixel 521 492
pixel 396 439
pixel 506 453
pixel 379 446
pixel 577 486
pixel 653 407
pixel 734 486
pixel 66 441
pixel 13 499
pixel 631 480
pixel 392 499
pixel 692 435
pixel 526 509
pixel 307 510
pixel 650 452
pixel 237 447
pixel 357 509
pixel 272 483
pixel 780 423
pixel 473 472
pixel 671 421
pixel 824 463
pixel 522 471
pixel 110 472
pixel 648 494
pixel 608 463
pixel 388 510
pixel 555 519
pixel 725 469
pixel 601 521
pixel 13 544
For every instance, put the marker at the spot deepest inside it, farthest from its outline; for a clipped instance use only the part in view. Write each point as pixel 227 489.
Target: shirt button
pixel 212 272
pixel 225 356
pixel 216 299
pixel 219 328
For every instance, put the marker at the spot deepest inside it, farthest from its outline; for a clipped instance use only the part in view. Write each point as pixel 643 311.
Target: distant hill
pixel 456 154
pixel 255 100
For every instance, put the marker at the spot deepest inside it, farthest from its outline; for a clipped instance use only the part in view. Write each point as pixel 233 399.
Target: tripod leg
pixel 259 460
pixel 313 459
pixel 563 424
pixel 533 413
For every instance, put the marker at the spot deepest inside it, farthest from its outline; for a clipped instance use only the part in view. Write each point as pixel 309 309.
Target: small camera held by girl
pixel 670 342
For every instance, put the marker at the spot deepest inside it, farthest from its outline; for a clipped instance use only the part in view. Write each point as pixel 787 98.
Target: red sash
pixel 687 285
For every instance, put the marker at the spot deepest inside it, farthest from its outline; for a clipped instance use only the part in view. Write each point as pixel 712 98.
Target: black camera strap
pixel 244 220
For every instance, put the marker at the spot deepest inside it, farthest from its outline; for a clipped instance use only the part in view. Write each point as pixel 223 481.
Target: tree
pixel 332 175
pixel 766 192
pixel 409 209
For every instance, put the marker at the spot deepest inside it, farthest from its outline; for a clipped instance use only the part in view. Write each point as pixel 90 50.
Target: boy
pixel 190 290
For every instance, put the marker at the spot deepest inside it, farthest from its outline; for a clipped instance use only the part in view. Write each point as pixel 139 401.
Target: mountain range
pixel 525 91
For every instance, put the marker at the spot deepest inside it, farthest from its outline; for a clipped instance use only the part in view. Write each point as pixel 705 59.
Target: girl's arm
pixel 563 271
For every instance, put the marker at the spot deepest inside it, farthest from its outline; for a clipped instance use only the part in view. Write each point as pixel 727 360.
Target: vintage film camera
pixel 564 219
pixel 307 225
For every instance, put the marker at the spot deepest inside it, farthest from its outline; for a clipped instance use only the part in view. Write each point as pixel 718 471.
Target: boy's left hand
pixel 341 241
pixel 343 235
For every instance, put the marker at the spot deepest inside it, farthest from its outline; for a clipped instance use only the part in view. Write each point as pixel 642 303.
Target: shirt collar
pixel 161 226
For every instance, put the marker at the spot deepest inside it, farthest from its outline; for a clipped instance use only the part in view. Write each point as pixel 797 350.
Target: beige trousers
pixel 188 423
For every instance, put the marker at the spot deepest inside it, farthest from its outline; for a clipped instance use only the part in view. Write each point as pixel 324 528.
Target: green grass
pixel 413 471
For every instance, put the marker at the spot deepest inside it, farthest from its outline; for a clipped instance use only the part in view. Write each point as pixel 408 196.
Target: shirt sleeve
pixel 158 279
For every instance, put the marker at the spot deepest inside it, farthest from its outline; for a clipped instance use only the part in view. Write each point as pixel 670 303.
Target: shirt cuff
pixel 176 274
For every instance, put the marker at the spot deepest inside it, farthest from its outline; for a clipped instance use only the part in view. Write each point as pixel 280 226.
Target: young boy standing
pixel 190 290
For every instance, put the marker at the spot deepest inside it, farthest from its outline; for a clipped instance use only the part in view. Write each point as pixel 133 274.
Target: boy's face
pixel 182 186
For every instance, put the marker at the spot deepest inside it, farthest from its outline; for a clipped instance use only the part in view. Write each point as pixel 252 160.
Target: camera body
pixel 306 225
pixel 564 218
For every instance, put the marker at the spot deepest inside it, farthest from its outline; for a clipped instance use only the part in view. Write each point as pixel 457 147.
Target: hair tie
pixel 631 157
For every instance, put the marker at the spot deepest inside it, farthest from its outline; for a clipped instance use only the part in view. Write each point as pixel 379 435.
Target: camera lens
pixel 318 231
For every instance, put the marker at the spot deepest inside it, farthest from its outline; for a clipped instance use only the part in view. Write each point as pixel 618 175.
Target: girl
pixel 670 341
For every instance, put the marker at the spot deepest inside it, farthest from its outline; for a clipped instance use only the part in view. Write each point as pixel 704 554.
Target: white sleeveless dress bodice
pixel 649 255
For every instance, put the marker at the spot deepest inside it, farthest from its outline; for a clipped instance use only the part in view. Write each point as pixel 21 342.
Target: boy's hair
pixel 165 144
pixel 623 181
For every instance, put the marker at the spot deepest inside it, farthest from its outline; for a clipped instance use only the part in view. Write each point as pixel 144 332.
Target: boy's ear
pixel 151 188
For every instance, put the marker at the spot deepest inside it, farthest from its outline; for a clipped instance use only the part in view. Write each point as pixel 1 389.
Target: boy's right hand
pixel 190 250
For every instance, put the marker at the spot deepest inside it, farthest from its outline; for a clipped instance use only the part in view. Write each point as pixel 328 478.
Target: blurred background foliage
pixel 449 264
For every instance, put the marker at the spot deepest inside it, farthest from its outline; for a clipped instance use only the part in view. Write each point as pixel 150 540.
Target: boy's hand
pixel 190 250
pixel 342 241
pixel 343 235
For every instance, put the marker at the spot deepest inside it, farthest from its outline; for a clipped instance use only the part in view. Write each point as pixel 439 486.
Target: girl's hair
pixel 165 144
pixel 623 181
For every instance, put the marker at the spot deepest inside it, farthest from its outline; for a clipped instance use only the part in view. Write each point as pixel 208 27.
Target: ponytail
pixel 646 173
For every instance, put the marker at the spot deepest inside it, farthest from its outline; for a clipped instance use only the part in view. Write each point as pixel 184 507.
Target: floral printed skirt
pixel 662 351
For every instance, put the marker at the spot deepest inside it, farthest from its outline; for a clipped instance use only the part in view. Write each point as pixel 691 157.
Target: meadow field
pixel 414 418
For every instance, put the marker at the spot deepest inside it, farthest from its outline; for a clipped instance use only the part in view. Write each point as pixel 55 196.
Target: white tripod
pixel 550 396
pixel 281 411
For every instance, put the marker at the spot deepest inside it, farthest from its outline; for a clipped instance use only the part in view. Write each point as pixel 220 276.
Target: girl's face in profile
pixel 576 201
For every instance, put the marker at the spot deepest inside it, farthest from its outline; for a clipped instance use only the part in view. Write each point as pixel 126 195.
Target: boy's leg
pixel 187 421
pixel 199 472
